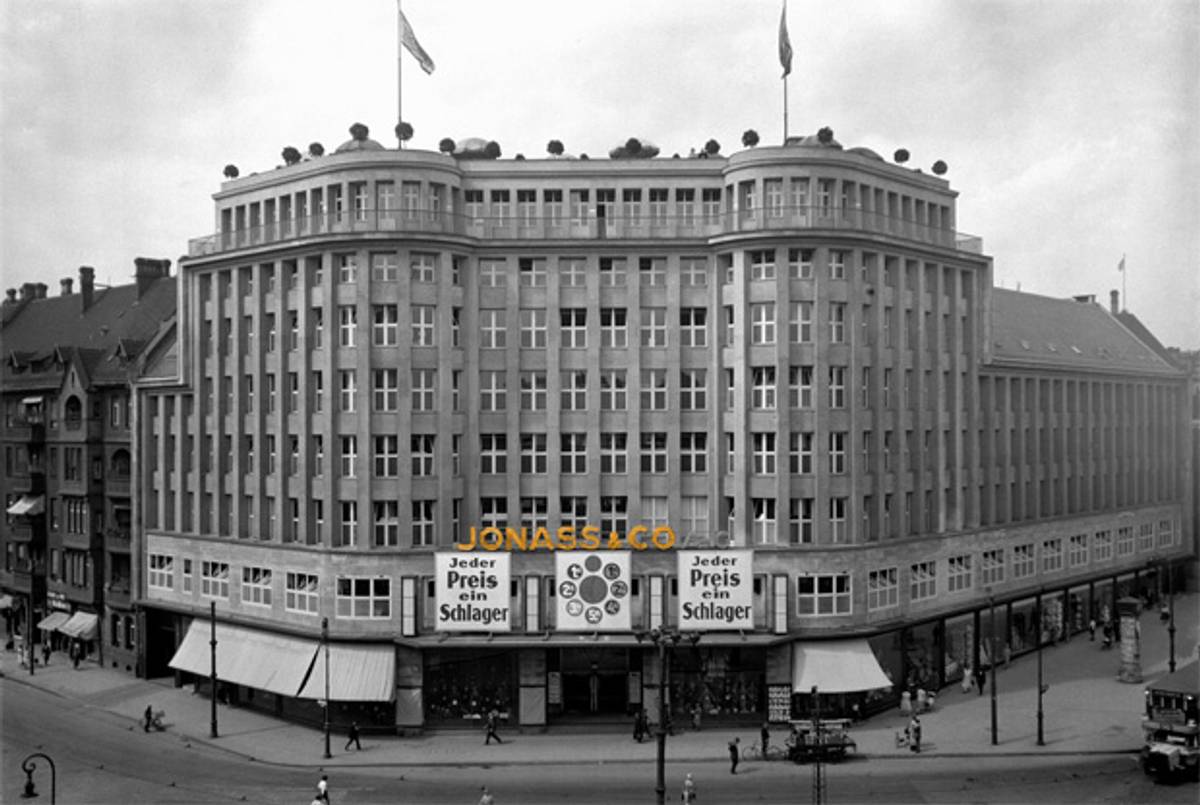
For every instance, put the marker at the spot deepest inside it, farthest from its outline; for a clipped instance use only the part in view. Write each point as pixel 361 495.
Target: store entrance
pixel 595 681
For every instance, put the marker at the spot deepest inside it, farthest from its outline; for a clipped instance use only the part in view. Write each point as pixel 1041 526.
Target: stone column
pixel 1131 640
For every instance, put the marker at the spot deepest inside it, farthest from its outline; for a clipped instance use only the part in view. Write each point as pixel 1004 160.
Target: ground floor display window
pixel 887 650
pixel 1079 608
pixel 960 647
pixel 467 684
pixel 1022 627
pixel 717 682
pixel 921 653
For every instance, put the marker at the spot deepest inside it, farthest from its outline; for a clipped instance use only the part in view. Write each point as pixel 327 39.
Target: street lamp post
pixel 664 639
pixel 1171 617
pixel 992 657
pixel 28 765
pixel 325 643
pixel 212 614
pixel 29 635
pixel 1041 740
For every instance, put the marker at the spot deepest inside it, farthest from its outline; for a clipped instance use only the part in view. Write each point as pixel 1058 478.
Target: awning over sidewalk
pixel 82 625
pixel 53 621
pixel 356 674
pixel 28 505
pixel 250 657
pixel 836 666
pixel 6 601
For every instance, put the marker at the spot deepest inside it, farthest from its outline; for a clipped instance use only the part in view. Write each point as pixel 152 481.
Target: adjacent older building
pixel 789 354
pixel 68 459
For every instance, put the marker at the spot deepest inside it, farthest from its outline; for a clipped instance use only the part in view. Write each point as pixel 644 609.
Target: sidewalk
pixel 1086 711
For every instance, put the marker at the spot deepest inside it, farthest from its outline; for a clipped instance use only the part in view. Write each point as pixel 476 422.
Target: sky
pixel 1071 127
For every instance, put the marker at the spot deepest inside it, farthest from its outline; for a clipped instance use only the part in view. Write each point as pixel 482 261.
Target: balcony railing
pixel 522 226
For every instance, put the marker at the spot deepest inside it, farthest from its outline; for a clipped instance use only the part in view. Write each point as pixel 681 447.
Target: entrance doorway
pixel 595 681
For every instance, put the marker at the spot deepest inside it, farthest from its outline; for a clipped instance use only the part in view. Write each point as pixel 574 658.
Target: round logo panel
pixel 594 590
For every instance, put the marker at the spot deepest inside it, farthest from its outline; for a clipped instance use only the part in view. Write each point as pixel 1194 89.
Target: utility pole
pixel 1171 617
pixel 325 643
pixel 992 657
pixel 212 614
pixel 1041 739
pixel 818 778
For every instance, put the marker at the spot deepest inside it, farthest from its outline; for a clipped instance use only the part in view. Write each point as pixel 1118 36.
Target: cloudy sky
pixel 1071 127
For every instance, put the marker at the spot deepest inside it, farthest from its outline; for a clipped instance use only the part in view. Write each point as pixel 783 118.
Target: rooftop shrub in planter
pixel 447 145
pixel 404 131
pixel 290 155
pixel 750 138
pixel 231 171
pixel 316 149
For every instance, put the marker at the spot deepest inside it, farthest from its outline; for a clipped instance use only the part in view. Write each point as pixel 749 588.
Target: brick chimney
pixel 66 285
pixel 28 291
pixel 10 296
pixel 1114 301
pixel 40 290
pixel 87 286
pixel 147 271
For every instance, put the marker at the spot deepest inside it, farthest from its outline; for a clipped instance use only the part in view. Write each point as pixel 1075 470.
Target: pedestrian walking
pixel 147 718
pixel 914 734
pixel 486 797
pixel 493 719
pixel 323 789
pixel 352 736
pixel 697 714
pixel 76 650
pixel 1092 630
pixel 639 725
pixel 980 679
pixel 968 679
pixel 765 734
pixel 46 652
pixel 689 790
pixel 734 752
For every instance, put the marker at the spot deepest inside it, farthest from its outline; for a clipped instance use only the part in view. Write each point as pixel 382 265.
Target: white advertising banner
pixel 593 591
pixel 473 592
pixel 716 590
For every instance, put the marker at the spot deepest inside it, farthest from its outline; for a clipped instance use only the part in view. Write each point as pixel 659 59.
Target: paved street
pixel 86 719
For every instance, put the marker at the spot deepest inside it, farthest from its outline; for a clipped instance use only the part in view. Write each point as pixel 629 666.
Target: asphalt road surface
pixel 101 758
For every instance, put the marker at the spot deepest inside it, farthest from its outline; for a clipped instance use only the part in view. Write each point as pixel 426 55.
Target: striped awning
pixel 82 625
pixel 251 657
pixel 53 621
pixel 356 674
pixel 836 666
pixel 28 505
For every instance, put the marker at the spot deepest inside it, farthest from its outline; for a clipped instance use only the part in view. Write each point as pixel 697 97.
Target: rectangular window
pixel 424 389
pixel 883 589
pixel 763 452
pixel 837 386
pixel 823 594
pixel 214 579
pixel 361 597
pixel 764 528
pixel 385 267
pixel 493 455
pixel 612 272
pixel 386 390
pixel 958 573
pixel 256 586
pixel 572 272
pixel 762 265
pixel 991 567
pixel 1022 561
pixel 654 327
pixel 762 390
pixel 922 581
pixel 421 446
pixel 1102 551
pixel 533 453
pixel 693 452
pixel 387 456
pixel 348 525
pixel 386 325
pixel 1078 550
pixel 349 461
pixel 531 272
pixel 492 328
pixel 800 517
pixel 1052 555
pixel 573 453
pixel 614 329
pixel 614 453
pixel 800 453
pixel 347 324
pixel 693 271
pixel 573 390
pixel 693 390
pixel 533 391
pixel 493 390
pixel 837 452
pixel 385 523
pixel 492 273
pixel 654 390
pixel 652 272
pixel 800 322
pixel 800 263
pixel 533 328
pixel 613 390
pixel 574 328
pixel 800 387
pixel 837 322
pixel 423 524
pixel 301 593
pixel 654 452
pixel 762 323
pixel 161 572
pixel 693 326
pixel 614 511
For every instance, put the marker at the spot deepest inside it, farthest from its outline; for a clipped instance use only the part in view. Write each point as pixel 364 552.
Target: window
pixel 300 593
pixel 800 263
pixel 493 390
pixel 533 328
pixel 492 273
pixel 349 456
pixel 837 452
pixel 359 597
pixel 161 575
pixel 762 390
pixel 823 594
pixel 421 268
pixel 572 272
pixel 763 451
pixel 1146 537
pixel 535 514
pixel 424 389
pixel 837 322
pixel 573 452
pixel 654 390
pixel 800 387
pixel 1022 561
pixel 574 511
pixel 612 272
pixel 423 525
pixel 801 521
pixel 531 272
pixel 269 326
pixel 837 265
pixel 837 519
pixel 385 267
pixel 614 330
pixel 654 327
pixel 613 391
pixel 654 452
pixel 493 455
pixel 613 453
pixel 492 328
pixel 693 452
pixel 693 271
pixel 693 326
pixel 214 579
pixel 762 323
pixel 991 567
pixel 614 514
pixel 573 391
pixel 318 390
pixel 958 573
pixel 493 511
pixel 764 530
pixel 1078 550
pixel 762 265
pixel 1103 546
pixel 1052 555
pixel 348 525
pixel 347 324
pixel 386 324
pixel 695 515
pixel 386 523
pixel 1166 533
pixel 837 386
pixel 387 456
pixel 387 389
pixel 456 327
pixel 256 586
pixel 922 581
pixel 883 589
pixel 574 327
pixel 533 453
pixel 652 271
pixel 800 453
pixel 693 389
pixel 456 454
pixel 1124 541
pixel 728 332
pixel 421 445
pixel 800 322
pixel 423 318
pixel 533 391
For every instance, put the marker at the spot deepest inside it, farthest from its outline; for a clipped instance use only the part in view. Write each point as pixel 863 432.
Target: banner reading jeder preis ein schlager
pixel 716 590
pixel 473 592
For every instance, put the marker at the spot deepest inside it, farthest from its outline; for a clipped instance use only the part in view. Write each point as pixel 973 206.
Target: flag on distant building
pixel 409 40
pixel 1121 265
pixel 785 43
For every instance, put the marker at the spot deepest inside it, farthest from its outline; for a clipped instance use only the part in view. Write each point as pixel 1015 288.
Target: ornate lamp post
pixel 325 643
pixel 1171 618
pixel 28 765
pixel 992 659
pixel 1041 740
pixel 665 639
pixel 212 614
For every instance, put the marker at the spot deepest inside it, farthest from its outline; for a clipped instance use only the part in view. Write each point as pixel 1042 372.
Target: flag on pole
pixel 785 43
pixel 1121 265
pixel 409 40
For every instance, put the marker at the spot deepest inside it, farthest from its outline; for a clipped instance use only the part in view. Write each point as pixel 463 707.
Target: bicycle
pixel 754 752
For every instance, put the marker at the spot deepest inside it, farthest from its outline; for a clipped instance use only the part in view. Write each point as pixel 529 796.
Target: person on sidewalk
pixel 323 789
pixel 639 725
pixel 914 734
pixel 734 752
pixel 765 734
pixel 352 737
pixel 980 679
pixel 76 650
pixel 147 718
pixel 1092 630
pixel 689 790
pixel 486 797
pixel 493 719
pixel 46 653
pixel 968 678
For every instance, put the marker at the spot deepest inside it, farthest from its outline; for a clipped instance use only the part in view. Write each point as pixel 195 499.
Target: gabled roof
pixel 1044 331
pixel 102 338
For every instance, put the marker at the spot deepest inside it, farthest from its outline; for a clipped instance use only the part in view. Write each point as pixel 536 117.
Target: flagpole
pixel 785 110
pixel 1124 274
pixel 399 71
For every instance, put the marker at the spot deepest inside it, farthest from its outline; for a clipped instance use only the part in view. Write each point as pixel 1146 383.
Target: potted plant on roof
pixel 750 138
pixel 404 132
pixel 315 149
pixel 291 155
pixel 634 148
pixel 555 148
pixel 447 145
pixel 231 171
